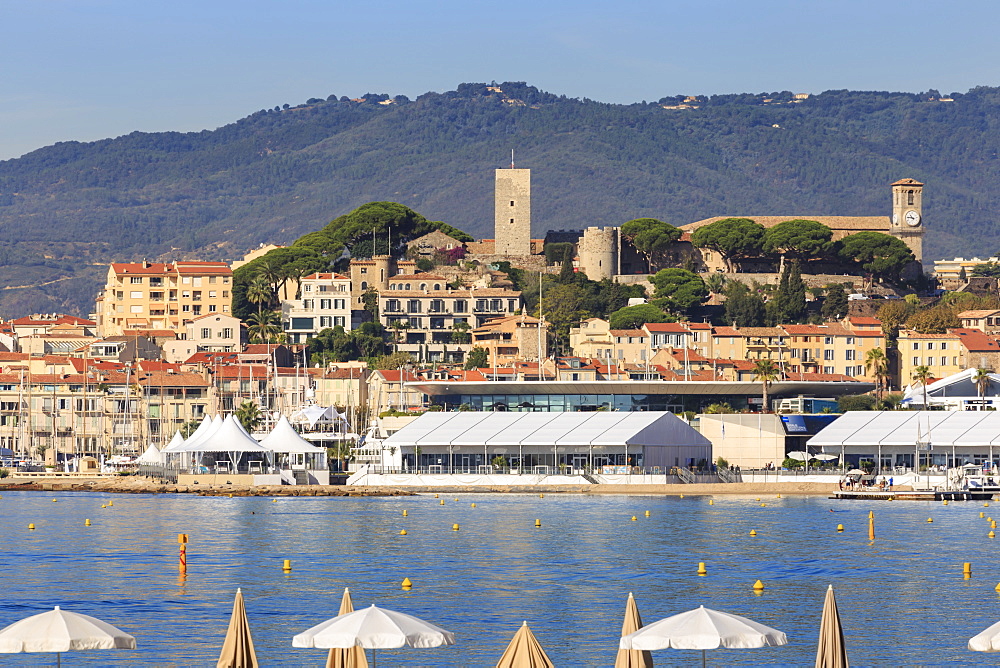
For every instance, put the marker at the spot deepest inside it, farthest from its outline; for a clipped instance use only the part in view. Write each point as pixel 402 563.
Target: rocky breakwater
pixel 140 485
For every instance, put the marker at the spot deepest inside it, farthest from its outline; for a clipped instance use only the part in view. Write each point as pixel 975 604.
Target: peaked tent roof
pixel 228 437
pixel 313 415
pixel 150 456
pixel 649 428
pixel 213 426
pixel 283 438
pixel 175 442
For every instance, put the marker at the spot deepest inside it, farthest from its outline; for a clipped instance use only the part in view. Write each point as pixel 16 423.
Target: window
pixel 197 309
pixel 302 323
pixel 211 308
pixel 197 281
pixel 307 288
pixel 496 304
pixel 135 309
pixel 849 355
pixel 308 303
pixel 511 221
pixel 364 285
pixel 930 345
pixel 338 321
pixel 364 270
pixel 828 340
pixel 136 280
pixel 512 202
pixel 186 294
pixel 828 369
pixel 325 304
pixel 461 306
pixel 324 321
pixel 339 304
pixel 212 294
pixel 916 361
pixel 850 340
pixel 437 323
pixel 944 345
pixel 909 198
pixel 828 355
pixel 437 306
pixel 206 333
pixel 185 308
pixel 916 345
pixel 392 305
pixel 211 280
pixel 227 333
pixel 413 306
pixel 135 294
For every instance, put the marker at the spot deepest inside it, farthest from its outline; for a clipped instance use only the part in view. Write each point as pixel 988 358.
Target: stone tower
pixel 907 215
pixel 512 212
pixel 597 251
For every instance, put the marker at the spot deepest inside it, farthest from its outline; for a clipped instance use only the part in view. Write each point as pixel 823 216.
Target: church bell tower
pixel 907 215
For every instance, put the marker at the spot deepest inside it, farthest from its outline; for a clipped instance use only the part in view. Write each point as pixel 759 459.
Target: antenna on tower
pixel 512 158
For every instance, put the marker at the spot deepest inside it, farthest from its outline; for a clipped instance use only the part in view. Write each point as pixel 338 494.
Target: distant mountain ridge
pixel 279 173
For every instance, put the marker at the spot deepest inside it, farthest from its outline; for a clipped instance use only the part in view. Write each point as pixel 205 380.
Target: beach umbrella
pixel 826 458
pixel 987 641
pixel 347 657
pixel 524 651
pixel 632 658
pixel 374 628
pixel 855 472
pixel 62 631
pixel 704 629
pixel 831 652
pixel 237 648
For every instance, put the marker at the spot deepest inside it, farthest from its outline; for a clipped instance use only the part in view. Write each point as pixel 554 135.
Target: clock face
pixel 912 218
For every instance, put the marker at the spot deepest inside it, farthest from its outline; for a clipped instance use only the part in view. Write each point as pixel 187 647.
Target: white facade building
pixel 325 302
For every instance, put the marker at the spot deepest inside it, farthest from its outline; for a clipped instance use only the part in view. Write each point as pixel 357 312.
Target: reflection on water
pixel 903 599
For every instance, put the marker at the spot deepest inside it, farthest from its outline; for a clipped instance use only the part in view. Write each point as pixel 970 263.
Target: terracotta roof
pixel 629 332
pixel 163 269
pixel 761 331
pixel 977 314
pixel 326 277
pixel 835 223
pixel 907 182
pixel 864 320
pixel 725 331
pixel 976 341
pixel 829 377
pixel 671 327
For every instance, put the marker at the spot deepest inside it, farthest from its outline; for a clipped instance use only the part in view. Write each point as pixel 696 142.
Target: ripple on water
pixel 903 599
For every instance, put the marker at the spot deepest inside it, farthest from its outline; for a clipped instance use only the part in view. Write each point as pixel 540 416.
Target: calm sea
pixel 903 599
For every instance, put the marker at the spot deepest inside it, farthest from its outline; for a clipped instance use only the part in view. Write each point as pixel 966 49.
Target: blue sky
pixel 89 69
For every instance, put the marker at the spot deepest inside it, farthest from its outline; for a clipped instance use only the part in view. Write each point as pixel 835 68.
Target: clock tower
pixel 907 222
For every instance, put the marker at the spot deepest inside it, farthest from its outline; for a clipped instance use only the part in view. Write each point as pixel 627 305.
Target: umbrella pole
pixel 58 660
pixel 702 658
pixel 373 657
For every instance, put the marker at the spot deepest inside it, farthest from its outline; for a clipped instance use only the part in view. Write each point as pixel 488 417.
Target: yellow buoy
pixel 989 519
pixel 31 526
pixel 442 502
pixel 104 505
pixel 701 568
pixel 86 523
pixel 967 567
pixel 711 502
pixel 647 513
pixel 230 496
pixel 54 500
pixel 993 524
pixel 435 496
pixel 753 532
pixel 779 496
pixel 456 499
pixel 633 518
pixel 929 520
pixel 287 566
pixel 840 527
pixel 538 523
pixel 991 534
pixel 945 502
pixel 402 532
pixel 997 588
pixel 756 499
pixel 758 585
pixel 454 527
pixel 541 496
pixel 682 496
pixel 406 583
pixel 473 505
pixel 763 505
pixel 274 500
pixel 110 503
pixel 981 514
pixel 404 513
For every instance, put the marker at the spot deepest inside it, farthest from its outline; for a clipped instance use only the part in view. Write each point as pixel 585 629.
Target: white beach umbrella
pixel 703 629
pixel 374 628
pixel 987 641
pixel 62 631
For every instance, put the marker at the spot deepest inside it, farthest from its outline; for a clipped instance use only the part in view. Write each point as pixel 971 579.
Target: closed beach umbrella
pixel 237 648
pixel 374 628
pixel 831 652
pixel 62 631
pixel 349 657
pixel 632 658
pixel 987 641
pixel 703 629
pixel 524 651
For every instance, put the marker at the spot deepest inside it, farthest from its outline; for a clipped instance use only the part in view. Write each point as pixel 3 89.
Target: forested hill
pixel 279 173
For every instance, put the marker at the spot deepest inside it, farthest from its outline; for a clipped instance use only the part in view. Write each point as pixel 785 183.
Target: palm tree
pixel 766 372
pixel 877 365
pixel 265 327
pixel 396 326
pixel 922 374
pixel 259 292
pixel 982 380
pixel 249 415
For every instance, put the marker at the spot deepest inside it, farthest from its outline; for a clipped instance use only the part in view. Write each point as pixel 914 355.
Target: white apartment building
pixel 215 333
pixel 325 301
